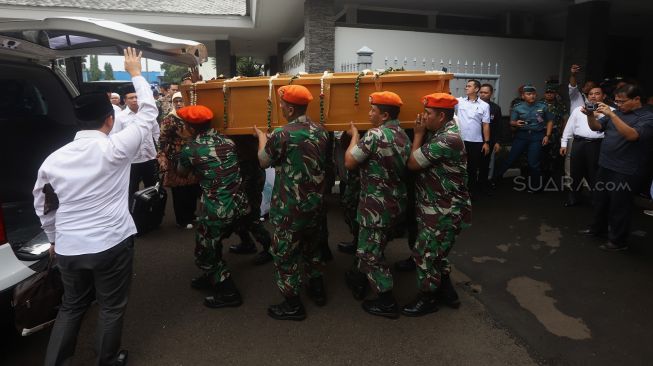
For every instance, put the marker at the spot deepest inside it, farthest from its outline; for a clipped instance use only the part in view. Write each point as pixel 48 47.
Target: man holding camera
pixel 584 153
pixel 625 151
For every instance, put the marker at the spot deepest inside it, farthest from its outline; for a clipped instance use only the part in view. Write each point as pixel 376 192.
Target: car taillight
pixel 3 231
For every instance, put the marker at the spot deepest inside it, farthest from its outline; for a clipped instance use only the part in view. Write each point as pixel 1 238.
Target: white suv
pixel 36 118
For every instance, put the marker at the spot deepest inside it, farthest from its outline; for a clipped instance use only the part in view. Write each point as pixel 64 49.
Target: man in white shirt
pixel 584 153
pixel 80 197
pixel 575 97
pixel 474 123
pixel 144 167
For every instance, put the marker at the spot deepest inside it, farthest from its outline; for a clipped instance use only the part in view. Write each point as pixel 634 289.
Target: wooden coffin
pixel 254 101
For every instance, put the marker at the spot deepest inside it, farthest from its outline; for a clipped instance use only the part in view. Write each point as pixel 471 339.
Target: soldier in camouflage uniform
pixel 350 188
pixel 552 162
pixel 297 152
pixel 212 158
pixel 381 157
pixel 443 204
pixel 253 182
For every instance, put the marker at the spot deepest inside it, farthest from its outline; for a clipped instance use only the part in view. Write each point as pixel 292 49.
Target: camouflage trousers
pixel 253 181
pixel 208 247
pixel 431 250
pixel 296 253
pixel 371 262
pixel 349 200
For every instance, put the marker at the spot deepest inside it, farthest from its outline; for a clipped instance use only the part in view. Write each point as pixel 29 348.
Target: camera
pixel 591 107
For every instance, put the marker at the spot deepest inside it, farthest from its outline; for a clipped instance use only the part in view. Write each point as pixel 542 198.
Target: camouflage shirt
pixel 297 151
pixel 213 159
pixel 559 111
pixel 382 154
pixel 442 183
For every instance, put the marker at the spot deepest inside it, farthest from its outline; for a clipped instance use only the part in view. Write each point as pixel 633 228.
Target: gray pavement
pixel 533 291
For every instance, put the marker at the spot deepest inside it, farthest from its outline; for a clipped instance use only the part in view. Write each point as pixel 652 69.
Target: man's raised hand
pixel 133 61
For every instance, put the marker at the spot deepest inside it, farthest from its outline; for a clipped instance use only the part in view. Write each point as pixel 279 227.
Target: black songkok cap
pixel 127 89
pixel 92 106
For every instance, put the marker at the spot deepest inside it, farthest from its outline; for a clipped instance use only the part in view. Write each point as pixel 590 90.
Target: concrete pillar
pixel 364 58
pixel 224 62
pixel 587 30
pixel 320 33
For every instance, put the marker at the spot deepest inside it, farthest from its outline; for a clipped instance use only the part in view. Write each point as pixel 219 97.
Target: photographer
pixel 584 153
pixel 623 161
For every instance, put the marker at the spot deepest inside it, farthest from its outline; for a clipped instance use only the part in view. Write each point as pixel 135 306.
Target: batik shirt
pixel 442 183
pixel 213 159
pixel 382 154
pixel 297 151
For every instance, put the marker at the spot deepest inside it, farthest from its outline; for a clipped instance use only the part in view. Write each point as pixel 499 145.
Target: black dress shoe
pixel 316 291
pixel 382 306
pixel 446 294
pixel 348 247
pixel 612 247
pixel 406 265
pixel 243 248
pixel 263 257
pixel 290 309
pixel 121 360
pixel 358 284
pixel 201 282
pixel 425 303
pixel 223 299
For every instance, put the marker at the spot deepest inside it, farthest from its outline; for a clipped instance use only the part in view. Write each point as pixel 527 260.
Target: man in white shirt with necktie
pixel 80 197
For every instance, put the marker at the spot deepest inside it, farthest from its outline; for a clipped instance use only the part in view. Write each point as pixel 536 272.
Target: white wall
pixel 298 47
pixel 520 60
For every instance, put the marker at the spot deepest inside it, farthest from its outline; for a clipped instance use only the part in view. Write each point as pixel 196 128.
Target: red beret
pixel 195 114
pixel 295 94
pixel 439 100
pixel 386 98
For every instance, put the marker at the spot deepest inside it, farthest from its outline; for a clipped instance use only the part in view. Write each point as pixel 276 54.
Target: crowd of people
pixel 420 181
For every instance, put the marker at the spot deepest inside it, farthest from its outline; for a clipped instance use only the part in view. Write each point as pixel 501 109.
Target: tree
pixel 245 66
pixel 108 71
pixel 94 73
pixel 173 73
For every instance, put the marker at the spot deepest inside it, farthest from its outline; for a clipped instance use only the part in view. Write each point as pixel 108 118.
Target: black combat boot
pixel 446 293
pixel 425 303
pixel 406 265
pixel 291 309
pixel 358 284
pixel 201 282
pixel 226 295
pixel 385 305
pixel 316 291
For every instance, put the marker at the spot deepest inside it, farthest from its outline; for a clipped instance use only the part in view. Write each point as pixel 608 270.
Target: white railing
pixel 485 72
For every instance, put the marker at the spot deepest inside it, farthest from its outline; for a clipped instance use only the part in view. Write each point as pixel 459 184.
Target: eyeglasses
pixel 619 102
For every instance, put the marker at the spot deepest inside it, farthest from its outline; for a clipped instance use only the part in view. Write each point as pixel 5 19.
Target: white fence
pixel 485 72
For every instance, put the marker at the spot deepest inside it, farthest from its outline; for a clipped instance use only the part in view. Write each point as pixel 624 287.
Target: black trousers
pixel 474 162
pixel 612 198
pixel 583 165
pixel 105 276
pixel 484 169
pixel 147 172
pixel 184 202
